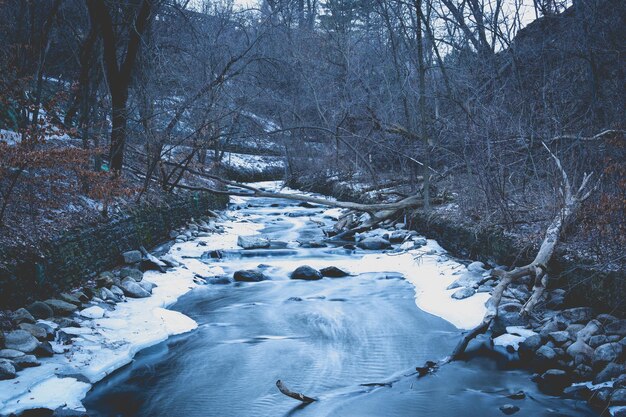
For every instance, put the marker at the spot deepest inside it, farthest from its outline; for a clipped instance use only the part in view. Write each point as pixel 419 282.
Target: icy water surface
pixel 324 338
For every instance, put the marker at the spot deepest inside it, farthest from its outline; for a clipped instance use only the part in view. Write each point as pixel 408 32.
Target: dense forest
pixel 104 100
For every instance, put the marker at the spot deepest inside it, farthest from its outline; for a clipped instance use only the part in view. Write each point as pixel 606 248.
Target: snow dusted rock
pixel 7 370
pixel 147 285
pixel 10 353
pixel 93 312
pixel 253 242
pixel 133 289
pixel 373 243
pixel 132 256
pixel 117 291
pixel 463 293
pixel 169 261
pixel 591 329
pixel 20 340
pixel 477 267
pixel 26 361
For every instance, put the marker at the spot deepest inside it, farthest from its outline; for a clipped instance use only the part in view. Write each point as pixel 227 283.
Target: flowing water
pixel 324 338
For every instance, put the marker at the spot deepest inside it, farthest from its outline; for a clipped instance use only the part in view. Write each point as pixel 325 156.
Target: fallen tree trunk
pixel 537 268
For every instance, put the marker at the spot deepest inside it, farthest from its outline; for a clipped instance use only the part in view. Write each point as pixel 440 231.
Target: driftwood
pixel 537 269
pixel 295 395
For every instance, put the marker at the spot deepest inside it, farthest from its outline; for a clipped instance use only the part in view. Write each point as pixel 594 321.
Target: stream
pixel 323 338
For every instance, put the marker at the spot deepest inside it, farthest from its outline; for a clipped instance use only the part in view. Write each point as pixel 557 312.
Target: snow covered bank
pixel 102 345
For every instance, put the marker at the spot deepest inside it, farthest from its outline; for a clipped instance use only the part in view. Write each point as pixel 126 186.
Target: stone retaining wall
pixel 80 253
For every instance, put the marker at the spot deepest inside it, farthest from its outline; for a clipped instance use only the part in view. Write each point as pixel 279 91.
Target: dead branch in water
pixel 295 395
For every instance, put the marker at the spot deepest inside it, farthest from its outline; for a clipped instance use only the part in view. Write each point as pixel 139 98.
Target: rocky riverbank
pixel 53 350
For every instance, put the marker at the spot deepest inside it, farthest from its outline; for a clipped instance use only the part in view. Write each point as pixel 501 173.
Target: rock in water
pixel 132 256
pixel 20 340
pixel 7 370
pixel 61 308
pixel 40 310
pixel 374 243
pixel 307 273
pixel 249 275
pixel 509 409
pixel 253 242
pixel 333 272
pixel 134 290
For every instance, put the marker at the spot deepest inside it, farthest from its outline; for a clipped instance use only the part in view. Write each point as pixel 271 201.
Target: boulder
pixel 617 327
pixel 132 256
pixel 253 242
pixel 249 275
pixel 40 310
pixel 37 331
pixel 609 352
pixel 574 315
pixel 591 329
pixel 69 298
pixel 580 352
pixel 44 350
pixel 509 409
pixel 398 236
pixel 307 273
pixel 26 361
pixel 509 315
pixel 10 353
pixel 134 290
pixel 559 337
pixel 105 280
pixel 463 293
pixel 20 340
pixel 618 397
pixel 333 272
pixel 133 273
pixel 147 285
pixel 373 243
pixel 60 307
pixel 7 370
pixel 573 330
pixel 477 267
pixel 597 340
pixel 93 312
pixel 22 316
pixel 528 347
pixel 545 357
pixel 117 291
pixel 554 381
pixel 612 370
